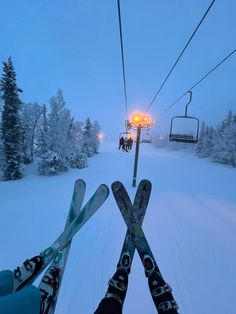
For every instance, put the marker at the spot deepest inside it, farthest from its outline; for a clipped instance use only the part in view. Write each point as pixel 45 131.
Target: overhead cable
pixel 122 56
pixel 198 82
pixel 182 52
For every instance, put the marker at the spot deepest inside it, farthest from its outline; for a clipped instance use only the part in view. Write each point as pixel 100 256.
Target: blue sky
pixel 74 45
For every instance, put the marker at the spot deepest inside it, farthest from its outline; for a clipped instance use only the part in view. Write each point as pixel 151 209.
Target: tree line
pixel 47 134
pixel 218 144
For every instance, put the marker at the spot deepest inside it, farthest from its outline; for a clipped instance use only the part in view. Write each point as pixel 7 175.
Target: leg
pixel 25 301
pixel 6 282
pixel 115 295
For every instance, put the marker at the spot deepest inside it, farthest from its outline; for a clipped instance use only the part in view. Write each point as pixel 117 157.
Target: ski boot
pixel 49 284
pixel 117 285
pixel 160 290
pixel 23 274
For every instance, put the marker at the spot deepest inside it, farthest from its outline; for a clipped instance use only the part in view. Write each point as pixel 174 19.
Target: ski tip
pixel 80 182
pixel 145 183
pixel 116 185
pixel 104 188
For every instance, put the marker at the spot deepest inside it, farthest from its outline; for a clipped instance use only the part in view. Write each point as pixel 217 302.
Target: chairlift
pixel 184 129
pixel 126 134
pixel 147 138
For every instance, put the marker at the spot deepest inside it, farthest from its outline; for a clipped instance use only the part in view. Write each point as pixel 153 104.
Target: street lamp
pixel 139 122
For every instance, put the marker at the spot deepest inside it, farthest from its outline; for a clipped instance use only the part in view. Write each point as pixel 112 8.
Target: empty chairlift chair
pixel 184 129
pixel 147 138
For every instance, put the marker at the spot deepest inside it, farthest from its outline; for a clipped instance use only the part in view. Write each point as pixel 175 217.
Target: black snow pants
pixel 109 306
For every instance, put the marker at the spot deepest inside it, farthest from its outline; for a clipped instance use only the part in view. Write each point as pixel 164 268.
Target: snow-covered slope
pixel 190 224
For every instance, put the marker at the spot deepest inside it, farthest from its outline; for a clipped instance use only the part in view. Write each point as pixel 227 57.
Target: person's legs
pixel 6 282
pixel 25 301
pixel 115 295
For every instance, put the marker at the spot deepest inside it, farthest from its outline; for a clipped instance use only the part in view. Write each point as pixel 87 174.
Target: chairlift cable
pixel 198 82
pixel 122 57
pixel 182 52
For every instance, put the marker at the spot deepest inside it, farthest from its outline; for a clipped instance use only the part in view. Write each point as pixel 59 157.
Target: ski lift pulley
pixel 184 129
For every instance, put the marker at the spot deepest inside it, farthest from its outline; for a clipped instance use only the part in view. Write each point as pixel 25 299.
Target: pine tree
pixel 200 145
pixel 31 114
pixel 42 145
pixel 225 144
pixel 59 123
pixel 96 131
pixel 11 124
pixel 88 142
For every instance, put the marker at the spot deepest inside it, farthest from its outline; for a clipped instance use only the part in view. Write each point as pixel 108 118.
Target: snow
pixel 190 225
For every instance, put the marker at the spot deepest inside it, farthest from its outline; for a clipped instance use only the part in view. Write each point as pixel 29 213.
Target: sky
pixel 74 45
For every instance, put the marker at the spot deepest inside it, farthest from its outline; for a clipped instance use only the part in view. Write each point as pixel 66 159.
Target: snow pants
pixel 108 306
pixel 25 301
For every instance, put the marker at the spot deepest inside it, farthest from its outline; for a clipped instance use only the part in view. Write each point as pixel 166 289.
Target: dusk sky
pixel 74 45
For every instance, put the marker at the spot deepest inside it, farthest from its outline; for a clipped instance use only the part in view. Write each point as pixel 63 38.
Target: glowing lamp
pixel 146 119
pixel 136 119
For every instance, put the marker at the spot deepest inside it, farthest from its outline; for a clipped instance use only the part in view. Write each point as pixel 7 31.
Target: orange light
pixel 140 120
pixel 146 119
pixel 136 118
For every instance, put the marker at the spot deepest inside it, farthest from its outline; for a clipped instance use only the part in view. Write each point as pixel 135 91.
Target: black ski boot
pixel 23 274
pixel 117 285
pixel 162 294
pixel 160 290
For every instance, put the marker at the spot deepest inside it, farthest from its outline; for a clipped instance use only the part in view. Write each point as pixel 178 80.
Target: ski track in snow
pixel 190 225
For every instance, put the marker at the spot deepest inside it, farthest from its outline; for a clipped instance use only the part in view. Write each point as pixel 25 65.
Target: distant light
pixel 161 137
pixel 100 136
pixel 136 118
pixel 140 120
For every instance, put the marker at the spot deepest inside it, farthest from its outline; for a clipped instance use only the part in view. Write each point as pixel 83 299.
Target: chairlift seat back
pixel 184 129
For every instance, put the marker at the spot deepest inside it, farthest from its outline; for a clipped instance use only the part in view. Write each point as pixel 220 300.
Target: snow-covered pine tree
pixel 1 150
pixel 42 145
pixel 11 124
pixel 200 148
pixel 88 139
pixel 96 141
pixel 75 157
pixel 225 144
pixel 31 114
pixel 209 143
pixel 59 123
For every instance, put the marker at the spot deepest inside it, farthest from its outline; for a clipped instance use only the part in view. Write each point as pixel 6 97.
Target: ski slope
pixel 190 224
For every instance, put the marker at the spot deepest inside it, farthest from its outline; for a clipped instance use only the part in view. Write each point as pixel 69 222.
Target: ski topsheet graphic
pixel 31 269
pixel 139 208
pixel 76 203
pixel 161 292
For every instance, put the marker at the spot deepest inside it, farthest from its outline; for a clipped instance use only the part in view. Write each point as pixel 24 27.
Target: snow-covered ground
pixel 190 224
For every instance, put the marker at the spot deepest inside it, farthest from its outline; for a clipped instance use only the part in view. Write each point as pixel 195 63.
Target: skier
pixel 130 143
pixel 125 145
pixel 121 142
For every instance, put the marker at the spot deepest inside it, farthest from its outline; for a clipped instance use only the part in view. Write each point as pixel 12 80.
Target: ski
pixel 76 203
pixel 37 264
pixel 139 207
pixel 50 283
pixel 160 290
